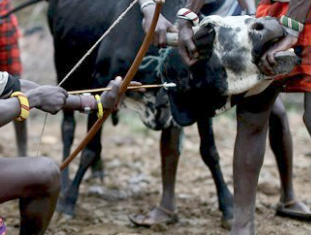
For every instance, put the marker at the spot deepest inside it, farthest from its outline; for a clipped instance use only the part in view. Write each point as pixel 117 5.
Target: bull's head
pixel 238 43
pixel 230 49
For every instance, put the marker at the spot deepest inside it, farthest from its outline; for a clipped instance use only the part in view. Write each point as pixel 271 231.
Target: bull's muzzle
pixel 269 29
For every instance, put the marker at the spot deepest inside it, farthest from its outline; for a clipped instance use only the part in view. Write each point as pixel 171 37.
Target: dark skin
pixel 36 181
pixel 253 121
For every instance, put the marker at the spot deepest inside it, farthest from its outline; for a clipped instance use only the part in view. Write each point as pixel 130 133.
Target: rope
pixel 159 59
pixel 84 57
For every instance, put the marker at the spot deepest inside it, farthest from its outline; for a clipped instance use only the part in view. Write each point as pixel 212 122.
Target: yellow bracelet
pixel 24 103
pixel 100 109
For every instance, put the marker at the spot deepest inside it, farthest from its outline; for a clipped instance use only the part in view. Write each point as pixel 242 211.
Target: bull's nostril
pixel 258 26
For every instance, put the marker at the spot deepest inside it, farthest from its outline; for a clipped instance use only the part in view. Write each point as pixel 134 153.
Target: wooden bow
pixel 123 87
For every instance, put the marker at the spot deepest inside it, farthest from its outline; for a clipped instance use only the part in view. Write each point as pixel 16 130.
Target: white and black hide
pixel 230 49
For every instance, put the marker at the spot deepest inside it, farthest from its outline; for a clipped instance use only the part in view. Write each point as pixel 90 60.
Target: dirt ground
pixel 132 166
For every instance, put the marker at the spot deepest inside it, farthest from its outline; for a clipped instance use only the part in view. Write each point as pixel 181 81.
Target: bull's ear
pixel 286 60
pixel 204 39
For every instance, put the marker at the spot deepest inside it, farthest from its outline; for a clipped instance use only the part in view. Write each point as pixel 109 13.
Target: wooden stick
pixel 165 85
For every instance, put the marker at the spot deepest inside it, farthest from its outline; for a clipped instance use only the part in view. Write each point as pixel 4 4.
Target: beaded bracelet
pixel 293 27
pixel 100 109
pixel 145 4
pixel 187 14
pixel 24 103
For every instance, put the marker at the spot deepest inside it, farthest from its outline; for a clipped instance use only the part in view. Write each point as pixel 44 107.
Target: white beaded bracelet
pixel 145 4
pixel 187 14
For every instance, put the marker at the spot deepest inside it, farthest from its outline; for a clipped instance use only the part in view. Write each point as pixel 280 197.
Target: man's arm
pixel 187 48
pixel 47 98
pixel 298 10
pixel 52 99
pixel 9 109
pixel 163 26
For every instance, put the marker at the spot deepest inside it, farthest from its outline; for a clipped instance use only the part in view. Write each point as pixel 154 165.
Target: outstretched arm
pixel 47 98
pixel 298 10
pixel 52 99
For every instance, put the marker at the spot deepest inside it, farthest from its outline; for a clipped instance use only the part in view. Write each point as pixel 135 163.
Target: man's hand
pixel 163 26
pixel 187 48
pixel 110 98
pixel 50 99
pixel 268 61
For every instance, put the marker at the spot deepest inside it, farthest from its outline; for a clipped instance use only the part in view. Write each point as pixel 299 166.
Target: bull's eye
pixel 257 26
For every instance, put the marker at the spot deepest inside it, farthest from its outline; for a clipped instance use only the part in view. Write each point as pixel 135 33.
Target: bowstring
pixel 77 65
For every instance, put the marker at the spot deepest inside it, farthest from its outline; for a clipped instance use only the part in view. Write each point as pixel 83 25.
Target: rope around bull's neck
pixel 77 65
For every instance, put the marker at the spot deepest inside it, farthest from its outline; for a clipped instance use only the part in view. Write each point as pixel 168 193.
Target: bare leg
pixel 21 137
pixel 253 120
pixel 282 146
pixel 36 182
pixel 170 148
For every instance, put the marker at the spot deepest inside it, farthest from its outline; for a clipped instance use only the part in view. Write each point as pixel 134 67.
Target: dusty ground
pixel 132 183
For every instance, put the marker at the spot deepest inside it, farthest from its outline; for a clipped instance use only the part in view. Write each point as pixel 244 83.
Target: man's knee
pixel 279 119
pixel 47 175
pixel 279 112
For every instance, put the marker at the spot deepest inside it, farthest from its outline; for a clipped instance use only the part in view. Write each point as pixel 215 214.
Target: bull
pixel 230 49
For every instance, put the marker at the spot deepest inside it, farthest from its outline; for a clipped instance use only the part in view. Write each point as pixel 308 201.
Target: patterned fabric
pixel 9 50
pixel 299 80
pixel 2 227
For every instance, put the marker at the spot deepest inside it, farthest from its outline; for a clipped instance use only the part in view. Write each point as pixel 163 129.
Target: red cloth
pixel 9 50
pixel 299 80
